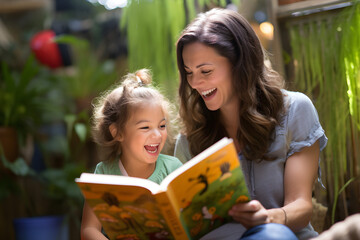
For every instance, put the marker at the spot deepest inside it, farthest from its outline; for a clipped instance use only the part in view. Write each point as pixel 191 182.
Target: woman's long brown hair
pixel 257 86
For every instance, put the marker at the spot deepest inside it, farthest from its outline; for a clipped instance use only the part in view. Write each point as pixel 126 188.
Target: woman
pixel 227 90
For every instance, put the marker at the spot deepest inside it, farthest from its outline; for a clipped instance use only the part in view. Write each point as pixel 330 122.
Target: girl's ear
pixel 114 132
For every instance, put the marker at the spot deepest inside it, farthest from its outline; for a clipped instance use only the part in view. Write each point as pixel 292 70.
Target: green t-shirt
pixel 165 164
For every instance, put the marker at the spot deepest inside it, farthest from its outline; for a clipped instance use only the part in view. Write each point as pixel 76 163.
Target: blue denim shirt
pixel 299 127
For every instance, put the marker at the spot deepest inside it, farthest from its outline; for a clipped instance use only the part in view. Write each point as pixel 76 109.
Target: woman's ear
pixel 114 132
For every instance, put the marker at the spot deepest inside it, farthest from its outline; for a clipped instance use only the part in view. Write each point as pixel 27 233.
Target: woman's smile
pixel 210 74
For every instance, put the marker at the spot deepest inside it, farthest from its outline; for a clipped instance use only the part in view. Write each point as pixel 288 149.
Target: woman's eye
pixel 206 71
pixel 188 73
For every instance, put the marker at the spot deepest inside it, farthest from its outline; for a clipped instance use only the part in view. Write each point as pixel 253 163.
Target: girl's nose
pixel 155 133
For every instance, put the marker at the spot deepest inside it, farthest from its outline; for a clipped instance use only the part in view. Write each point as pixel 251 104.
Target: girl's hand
pixel 250 214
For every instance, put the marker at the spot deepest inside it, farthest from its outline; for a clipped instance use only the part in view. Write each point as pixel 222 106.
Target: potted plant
pixel 29 102
pixel 22 101
pixel 51 199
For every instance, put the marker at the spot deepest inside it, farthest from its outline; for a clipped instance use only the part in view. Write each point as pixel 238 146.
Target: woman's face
pixel 210 74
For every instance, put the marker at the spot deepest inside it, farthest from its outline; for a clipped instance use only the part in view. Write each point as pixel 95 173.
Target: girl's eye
pixel 144 128
pixel 163 126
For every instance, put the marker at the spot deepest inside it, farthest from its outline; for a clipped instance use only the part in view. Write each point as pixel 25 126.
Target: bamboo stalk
pixel 322 73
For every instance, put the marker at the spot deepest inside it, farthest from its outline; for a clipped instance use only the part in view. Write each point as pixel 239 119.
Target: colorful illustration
pixel 208 210
pixel 196 200
pixel 138 217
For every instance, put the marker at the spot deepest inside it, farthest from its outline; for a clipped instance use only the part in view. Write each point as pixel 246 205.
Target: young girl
pixel 130 126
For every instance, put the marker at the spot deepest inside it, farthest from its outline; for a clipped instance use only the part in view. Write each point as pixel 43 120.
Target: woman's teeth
pixel 207 93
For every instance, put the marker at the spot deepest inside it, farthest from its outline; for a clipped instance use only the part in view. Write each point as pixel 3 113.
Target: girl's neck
pixel 142 170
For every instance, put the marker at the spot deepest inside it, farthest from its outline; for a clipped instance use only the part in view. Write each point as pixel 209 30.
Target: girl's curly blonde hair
pixel 116 105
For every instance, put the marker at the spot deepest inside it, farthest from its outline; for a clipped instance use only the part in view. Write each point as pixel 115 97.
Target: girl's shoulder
pixel 167 159
pixel 108 167
pixel 167 163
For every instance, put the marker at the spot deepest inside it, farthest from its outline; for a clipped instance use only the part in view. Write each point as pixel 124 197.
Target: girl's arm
pixel 300 173
pixel 90 225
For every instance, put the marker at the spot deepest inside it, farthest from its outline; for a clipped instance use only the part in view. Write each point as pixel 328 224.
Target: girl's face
pixel 210 74
pixel 144 135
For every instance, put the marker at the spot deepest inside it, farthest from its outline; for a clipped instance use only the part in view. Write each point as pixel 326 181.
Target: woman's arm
pixel 300 173
pixel 90 225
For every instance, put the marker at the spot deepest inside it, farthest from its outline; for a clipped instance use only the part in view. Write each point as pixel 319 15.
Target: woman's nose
pixel 195 81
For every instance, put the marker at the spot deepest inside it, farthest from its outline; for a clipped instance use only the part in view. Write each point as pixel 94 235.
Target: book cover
pixel 190 202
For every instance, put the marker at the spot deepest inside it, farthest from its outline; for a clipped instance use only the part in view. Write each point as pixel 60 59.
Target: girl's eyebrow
pixel 146 121
pixel 142 121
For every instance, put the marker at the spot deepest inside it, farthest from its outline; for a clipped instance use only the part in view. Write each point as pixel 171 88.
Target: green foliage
pixel 24 102
pixel 89 76
pixel 350 50
pixel 152 28
pixel 326 51
pixel 58 183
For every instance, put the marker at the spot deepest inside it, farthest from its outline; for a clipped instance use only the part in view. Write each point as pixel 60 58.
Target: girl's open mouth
pixel 152 148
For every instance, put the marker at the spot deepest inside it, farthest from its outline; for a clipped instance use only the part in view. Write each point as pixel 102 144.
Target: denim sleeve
pixel 182 151
pixel 99 168
pixel 304 128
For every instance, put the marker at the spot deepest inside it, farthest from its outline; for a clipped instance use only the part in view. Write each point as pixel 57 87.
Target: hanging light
pixel 267 29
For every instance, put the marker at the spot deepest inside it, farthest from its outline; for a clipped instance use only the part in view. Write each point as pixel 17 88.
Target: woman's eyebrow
pixel 198 66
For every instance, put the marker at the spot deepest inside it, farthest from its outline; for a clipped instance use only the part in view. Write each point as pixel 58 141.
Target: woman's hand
pixel 250 214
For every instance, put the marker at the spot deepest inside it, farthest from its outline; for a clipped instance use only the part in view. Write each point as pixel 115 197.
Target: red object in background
pixel 45 49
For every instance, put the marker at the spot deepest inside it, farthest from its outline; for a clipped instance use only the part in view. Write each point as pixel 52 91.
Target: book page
pixel 200 157
pixel 119 180
pixel 203 194
pixel 126 211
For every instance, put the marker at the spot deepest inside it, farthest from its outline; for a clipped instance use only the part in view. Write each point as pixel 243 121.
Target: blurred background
pixel 57 55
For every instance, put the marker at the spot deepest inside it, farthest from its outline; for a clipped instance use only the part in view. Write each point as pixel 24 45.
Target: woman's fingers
pixel 249 214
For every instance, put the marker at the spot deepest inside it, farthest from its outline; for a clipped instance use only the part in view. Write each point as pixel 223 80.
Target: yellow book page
pixel 203 194
pixel 171 217
pixel 126 212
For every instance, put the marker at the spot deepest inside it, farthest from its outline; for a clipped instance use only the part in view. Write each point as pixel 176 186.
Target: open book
pixel 190 202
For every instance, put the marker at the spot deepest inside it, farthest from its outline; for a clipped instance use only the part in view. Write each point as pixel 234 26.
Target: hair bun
pixel 143 76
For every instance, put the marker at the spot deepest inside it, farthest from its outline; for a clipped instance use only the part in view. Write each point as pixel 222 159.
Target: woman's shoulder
pixel 294 97
pixel 182 150
pixel 298 103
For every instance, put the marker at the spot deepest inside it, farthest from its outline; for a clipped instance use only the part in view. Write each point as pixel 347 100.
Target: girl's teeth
pixel 152 148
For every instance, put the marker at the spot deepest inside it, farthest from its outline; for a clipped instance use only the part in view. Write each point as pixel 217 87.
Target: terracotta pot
pixel 9 143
